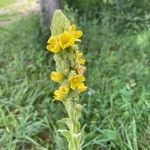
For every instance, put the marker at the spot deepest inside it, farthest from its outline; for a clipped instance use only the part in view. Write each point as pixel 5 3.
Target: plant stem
pixel 74 125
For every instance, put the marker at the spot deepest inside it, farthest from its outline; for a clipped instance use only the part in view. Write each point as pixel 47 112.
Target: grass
pixel 25 59
pixel 5 3
pixel 117 101
pixel 5 17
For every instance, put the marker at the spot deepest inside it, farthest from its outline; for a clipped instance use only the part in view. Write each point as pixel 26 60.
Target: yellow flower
pixel 80 59
pixel 66 40
pixel 56 76
pixel 53 44
pixel 76 82
pixel 82 87
pixel 76 33
pixel 61 93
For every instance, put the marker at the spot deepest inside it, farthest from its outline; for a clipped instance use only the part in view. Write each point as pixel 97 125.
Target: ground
pixel 13 10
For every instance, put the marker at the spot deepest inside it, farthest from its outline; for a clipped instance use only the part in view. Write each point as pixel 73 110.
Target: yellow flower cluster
pixel 61 93
pixel 64 40
pixel 74 79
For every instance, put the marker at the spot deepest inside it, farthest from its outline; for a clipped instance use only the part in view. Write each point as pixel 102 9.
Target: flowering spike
pixel 69 75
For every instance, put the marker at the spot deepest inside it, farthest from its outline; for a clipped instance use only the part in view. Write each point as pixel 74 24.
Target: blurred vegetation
pixel 4 3
pixel 7 17
pixel 122 15
pixel 118 76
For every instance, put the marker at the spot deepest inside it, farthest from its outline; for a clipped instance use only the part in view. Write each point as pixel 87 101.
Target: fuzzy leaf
pixel 63 121
pixel 59 23
pixel 66 134
pixel 82 134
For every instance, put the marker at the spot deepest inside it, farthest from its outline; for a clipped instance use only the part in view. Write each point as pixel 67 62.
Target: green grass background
pixel 117 101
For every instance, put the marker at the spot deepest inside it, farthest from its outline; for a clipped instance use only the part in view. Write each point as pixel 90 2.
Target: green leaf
pixel 66 134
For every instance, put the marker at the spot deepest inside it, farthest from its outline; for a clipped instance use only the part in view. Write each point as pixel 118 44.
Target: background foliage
pixel 116 46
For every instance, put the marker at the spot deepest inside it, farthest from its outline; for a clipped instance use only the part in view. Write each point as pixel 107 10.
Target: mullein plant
pixel 63 43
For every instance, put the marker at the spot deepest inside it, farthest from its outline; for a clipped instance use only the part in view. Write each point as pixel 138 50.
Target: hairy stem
pixel 73 125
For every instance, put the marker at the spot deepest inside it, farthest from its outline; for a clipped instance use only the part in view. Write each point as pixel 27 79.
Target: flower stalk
pixel 69 75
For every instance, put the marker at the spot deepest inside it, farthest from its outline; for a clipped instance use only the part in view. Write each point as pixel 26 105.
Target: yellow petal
pixel 61 93
pixel 82 87
pixel 66 40
pixel 73 28
pixel 58 95
pixel 64 90
pixel 76 81
pixel 56 76
pixel 81 78
pixel 78 34
pixel 53 44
